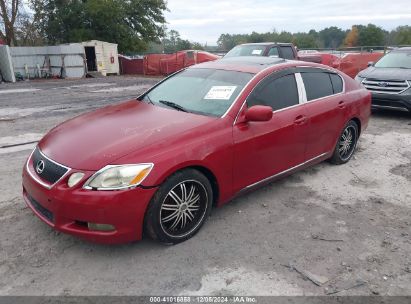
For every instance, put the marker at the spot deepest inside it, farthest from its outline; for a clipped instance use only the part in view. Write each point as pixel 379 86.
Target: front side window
pixel 288 52
pixel 317 85
pixel 273 52
pixel 203 91
pixel 395 60
pixel 279 93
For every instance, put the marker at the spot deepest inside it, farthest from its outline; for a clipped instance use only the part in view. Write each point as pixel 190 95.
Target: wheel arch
pixel 358 122
pixel 205 170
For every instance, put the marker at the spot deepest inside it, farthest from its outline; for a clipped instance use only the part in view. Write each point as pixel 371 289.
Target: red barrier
pixel 349 63
pixel 130 66
pixel 352 63
pixel 165 64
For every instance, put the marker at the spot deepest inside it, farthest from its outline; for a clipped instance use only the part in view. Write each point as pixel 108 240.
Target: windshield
pixel 202 91
pixel 247 50
pixel 395 60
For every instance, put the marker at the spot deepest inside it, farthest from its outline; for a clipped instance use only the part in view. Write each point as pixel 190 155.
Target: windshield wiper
pixel 173 105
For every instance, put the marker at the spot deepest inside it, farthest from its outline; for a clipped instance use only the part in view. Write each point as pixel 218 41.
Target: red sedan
pixel 197 139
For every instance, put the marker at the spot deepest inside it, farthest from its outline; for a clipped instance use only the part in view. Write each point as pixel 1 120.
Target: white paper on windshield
pixel 220 92
pixel 257 52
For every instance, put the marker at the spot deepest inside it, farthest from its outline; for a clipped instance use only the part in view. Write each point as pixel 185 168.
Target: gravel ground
pixel 328 229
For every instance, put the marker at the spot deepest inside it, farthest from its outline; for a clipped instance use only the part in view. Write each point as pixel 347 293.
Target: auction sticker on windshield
pixel 257 52
pixel 220 92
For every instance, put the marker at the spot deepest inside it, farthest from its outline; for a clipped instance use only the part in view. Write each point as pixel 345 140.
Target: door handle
pixel 300 120
pixel 341 104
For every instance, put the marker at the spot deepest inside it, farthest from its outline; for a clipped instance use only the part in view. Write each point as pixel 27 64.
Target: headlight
pixel 74 179
pixel 359 78
pixel 116 177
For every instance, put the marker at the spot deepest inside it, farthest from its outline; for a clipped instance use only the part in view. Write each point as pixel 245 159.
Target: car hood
pixel 386 73
pixel 93 140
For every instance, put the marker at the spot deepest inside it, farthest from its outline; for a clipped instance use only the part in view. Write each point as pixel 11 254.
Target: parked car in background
pixel 389 80
pixel 267 49
pixel 197 139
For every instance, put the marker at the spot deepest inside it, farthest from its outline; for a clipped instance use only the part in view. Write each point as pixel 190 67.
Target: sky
pixel 204 21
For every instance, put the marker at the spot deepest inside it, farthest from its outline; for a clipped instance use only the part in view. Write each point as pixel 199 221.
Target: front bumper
pixel 70 209
pixel 399 102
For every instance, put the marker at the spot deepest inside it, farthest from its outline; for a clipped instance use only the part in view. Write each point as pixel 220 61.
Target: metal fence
pixel 49 61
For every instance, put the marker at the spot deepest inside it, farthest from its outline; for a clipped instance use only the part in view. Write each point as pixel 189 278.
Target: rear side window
pixel 279 93
pixel 317 85
pixel 273 52
pixel 288 52
pixel 337 83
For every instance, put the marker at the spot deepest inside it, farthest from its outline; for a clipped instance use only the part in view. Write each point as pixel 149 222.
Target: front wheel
pixel 180 207
pixel 346 144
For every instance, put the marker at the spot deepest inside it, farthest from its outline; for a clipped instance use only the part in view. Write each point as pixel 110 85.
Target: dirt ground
pixel 342 230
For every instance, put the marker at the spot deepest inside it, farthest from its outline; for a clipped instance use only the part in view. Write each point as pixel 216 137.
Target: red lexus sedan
pixel 195 140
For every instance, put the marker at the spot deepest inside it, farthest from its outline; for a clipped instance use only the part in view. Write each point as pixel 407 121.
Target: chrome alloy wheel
pixel 184 208
pixel 347 142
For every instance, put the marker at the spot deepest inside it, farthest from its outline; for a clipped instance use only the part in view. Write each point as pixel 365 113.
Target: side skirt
pixel 316 160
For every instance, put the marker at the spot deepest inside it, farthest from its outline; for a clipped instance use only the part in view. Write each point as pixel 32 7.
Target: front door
pixel 264 149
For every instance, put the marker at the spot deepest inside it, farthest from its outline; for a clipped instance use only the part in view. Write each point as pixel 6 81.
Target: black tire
pixel 346 144
pixel 174 214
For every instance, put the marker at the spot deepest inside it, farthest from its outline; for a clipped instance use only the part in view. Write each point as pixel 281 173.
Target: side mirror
pixel 371 63
pixel 259 113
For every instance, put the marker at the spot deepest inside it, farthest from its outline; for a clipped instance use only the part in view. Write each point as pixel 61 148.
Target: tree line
pixel 132 24
pixel 330 37
pixel 140 26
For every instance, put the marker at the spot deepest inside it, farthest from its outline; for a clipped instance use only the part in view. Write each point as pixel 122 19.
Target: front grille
pixel 40 209
pixel 385 86
pixel 46 168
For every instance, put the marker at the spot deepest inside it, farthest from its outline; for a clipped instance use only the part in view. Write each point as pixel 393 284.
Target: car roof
pixel 268 43
pixel 247 64
pixel 402 49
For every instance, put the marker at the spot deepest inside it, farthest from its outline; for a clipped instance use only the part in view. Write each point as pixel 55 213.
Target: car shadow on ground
pixel 387 114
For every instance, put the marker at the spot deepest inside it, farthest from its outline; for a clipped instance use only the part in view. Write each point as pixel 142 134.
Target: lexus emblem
pixel 382 84
pixel 40 166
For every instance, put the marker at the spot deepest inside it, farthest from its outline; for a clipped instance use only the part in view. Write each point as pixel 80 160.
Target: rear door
pixel 264 149
pixel 325 109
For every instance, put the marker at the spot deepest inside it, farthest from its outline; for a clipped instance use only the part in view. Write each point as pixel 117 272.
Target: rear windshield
pixel 395 60
pixel 247 50
pixel 204 91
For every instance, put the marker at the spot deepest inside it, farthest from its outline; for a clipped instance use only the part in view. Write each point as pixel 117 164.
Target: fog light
pixel 100 227
pixel 74 179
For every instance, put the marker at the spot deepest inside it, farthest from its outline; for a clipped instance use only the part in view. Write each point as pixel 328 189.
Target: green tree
pixel 197 46
pixel 370 35
pixel 226 42
pixel 305 41
pixel 402 35
pixel 172 42
pixel 332 37
pixel 132 24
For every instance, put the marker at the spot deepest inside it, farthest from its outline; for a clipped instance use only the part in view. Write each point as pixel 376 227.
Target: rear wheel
pixel 346 144
pixel 180 207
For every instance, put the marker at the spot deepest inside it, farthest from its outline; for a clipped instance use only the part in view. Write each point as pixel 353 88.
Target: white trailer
pixel 101 57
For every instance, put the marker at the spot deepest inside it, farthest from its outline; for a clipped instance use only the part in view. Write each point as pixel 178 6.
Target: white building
pixel 101 57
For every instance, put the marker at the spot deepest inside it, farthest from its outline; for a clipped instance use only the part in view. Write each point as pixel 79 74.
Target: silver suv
pixel 389 80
